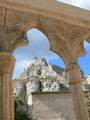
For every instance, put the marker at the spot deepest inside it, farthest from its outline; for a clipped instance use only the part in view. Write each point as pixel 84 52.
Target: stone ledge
pixel 60 92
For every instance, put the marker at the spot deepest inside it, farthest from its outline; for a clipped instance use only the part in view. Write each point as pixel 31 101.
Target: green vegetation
pixel 18 113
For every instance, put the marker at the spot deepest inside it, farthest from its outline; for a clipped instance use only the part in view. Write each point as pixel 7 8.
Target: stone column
pixel 77 92
pixel 6 91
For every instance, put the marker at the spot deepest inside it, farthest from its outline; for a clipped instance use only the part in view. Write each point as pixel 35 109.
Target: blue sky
pixel 84 61
pixel 39 47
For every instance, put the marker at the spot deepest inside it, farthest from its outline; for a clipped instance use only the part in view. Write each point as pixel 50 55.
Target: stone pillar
pixel 6 91
pixel 77 92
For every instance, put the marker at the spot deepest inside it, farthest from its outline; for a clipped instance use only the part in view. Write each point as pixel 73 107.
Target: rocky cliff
pixel 41 76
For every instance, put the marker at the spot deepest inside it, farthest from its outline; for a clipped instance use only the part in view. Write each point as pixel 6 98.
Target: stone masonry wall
pixel 52 106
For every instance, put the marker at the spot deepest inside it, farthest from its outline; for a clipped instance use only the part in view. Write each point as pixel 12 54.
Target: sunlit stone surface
pixel 66 27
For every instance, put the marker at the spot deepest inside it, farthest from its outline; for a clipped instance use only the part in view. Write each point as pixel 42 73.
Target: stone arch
pixel 48 48
pixel 64 48
pixel 69 44
pixel 60 39
pixel 78 25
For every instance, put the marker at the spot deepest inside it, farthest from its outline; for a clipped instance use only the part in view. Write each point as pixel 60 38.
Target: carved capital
pixel 11 38
pixel 6 62
pixel 73 66
pixel 74 73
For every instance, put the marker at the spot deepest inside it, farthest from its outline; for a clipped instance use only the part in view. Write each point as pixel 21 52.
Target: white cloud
pixel 79 3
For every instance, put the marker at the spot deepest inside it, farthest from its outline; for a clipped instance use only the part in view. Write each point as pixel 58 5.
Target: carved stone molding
pixel 53 9
pixel 11 38
pixel 67 40
pixel 6 62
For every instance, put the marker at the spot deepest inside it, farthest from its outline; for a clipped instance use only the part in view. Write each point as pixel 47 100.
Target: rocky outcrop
pixel 87 82
pixel 41 76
